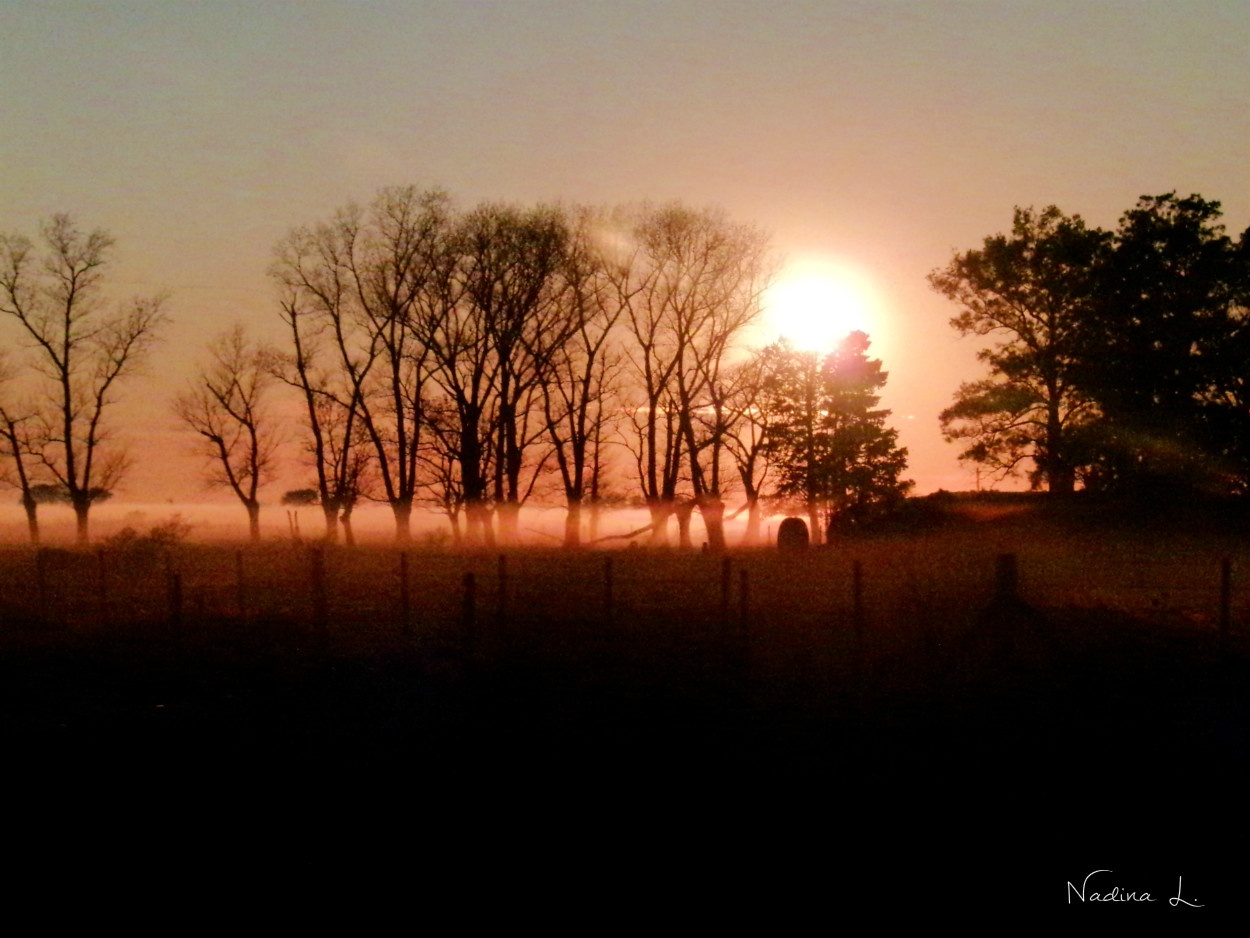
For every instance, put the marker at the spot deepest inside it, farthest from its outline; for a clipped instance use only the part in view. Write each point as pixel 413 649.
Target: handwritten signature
pixel 1118 894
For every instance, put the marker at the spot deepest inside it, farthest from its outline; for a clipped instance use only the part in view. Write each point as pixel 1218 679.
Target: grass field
pixel 1104 703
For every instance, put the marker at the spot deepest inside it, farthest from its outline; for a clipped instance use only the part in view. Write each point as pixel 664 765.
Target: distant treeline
pixel 467 360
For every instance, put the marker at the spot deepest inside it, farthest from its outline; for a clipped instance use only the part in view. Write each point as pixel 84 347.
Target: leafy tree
pixel 1033 290
pixel 1160 350
pixel 829 441
pixel 80 348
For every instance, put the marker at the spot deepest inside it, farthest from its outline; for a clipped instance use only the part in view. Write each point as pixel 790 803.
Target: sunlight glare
pixel 815 303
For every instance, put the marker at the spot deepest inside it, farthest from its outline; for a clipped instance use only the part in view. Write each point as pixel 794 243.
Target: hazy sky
pixel 880 137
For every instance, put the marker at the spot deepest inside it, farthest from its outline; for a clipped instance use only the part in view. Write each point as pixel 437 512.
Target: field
pixel 343 696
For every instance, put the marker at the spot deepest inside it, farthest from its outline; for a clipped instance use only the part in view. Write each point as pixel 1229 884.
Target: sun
pixel 815 303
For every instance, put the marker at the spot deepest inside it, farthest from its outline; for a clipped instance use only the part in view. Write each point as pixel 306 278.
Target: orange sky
pixel 876 136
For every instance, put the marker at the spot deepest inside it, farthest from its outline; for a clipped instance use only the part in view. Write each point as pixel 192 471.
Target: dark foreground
pixel 593 769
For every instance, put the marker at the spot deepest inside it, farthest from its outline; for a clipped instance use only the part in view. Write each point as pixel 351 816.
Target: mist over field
pixel 222 522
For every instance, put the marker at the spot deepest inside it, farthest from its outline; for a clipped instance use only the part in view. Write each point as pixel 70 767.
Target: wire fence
pixel 885 587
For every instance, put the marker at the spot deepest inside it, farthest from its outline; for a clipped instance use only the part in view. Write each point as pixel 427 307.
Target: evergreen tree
pixel 829 441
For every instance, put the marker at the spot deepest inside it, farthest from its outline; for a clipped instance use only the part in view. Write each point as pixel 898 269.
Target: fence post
pixel 1006 580
pixel 41 581
pixel 607 589
pixel 1226 598
pixel 468 616
pixel 238 585
pixel 175 599
pixel 501 601
pixel 726 578
pixel 405 613
pixel 744 603
pixel 320 612
pixel 102 586
pixel 857 601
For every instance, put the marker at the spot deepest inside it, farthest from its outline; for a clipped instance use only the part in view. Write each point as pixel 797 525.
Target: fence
pixel 886 588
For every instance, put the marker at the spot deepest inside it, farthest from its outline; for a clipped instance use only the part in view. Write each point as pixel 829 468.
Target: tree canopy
pixel 1120 354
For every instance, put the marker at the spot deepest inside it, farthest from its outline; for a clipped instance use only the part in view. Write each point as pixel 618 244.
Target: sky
pixel 871 139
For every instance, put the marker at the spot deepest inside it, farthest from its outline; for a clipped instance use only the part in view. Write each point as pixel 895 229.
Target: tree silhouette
pixel 690 284
pixel 1033 290
pixel 81 351
pixel 354 290
pixel 17 448
pixel 829 442
pixel 1160 350
pixel 583 371
pixel 225 406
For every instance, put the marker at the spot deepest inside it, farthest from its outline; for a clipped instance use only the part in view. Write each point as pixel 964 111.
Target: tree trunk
pixel 81 507
pixel 684 511
pixel 753 521
pixel 32 518
pixel 509 522
pixel 813 519
pixel 593 522
pixel 253 521
pixel 481 531
pixel 712 510
pixel 331 513
pixel 1060 476
pixel 573 523
pixel 402 510
pixel 349 533
pixel 661 511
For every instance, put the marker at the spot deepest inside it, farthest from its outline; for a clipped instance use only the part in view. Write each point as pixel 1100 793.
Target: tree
pixel 361 285
pixel 336 443
pixel 750 416
pixel 690 286
pixel 17 448
pixel 225 406
pixel 829 442
pixel 1160 352
pixel 81 352
pixel 583 370
pixel 511 261
pixel 1033 289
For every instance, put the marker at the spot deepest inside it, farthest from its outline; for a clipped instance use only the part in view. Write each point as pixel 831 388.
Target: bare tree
pixel 225 406
pixel 748 419
pixel 693 286
pixel 584 369
pixel 80 349
pixel 364 279
pixel 510 264
pixel 17 448
pixel 337 443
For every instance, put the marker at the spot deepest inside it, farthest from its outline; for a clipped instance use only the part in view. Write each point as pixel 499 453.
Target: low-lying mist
pixel 372 524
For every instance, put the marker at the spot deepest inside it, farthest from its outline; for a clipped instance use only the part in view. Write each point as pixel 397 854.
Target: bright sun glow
pixel 814 304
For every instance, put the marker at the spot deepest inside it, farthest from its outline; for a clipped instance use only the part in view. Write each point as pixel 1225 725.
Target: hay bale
pixel 792 535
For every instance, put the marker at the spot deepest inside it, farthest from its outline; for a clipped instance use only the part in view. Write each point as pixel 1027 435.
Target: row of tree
pixel 1122 358
pixel 471 359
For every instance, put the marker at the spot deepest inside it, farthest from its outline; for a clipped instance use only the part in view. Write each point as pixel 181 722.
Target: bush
pixel 163 536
